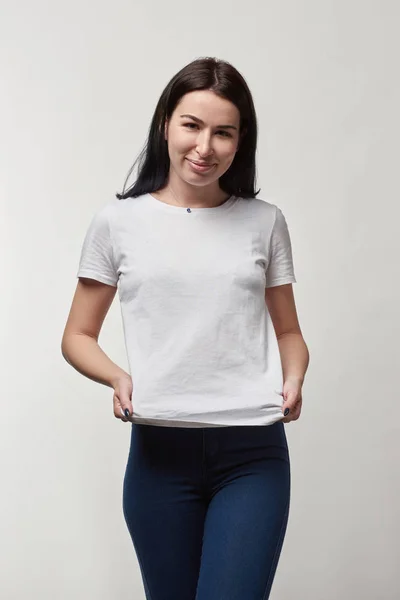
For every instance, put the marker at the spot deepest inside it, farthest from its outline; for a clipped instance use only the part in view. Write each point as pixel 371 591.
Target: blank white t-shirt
pixel 200 343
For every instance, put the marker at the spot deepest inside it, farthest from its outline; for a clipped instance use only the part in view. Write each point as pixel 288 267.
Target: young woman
pixel 216 356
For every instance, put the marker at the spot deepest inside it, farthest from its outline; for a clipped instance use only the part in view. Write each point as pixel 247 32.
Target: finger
pixel 297 409
pixel 297 413
pixel 293 416
pixel 122 408
pixel 126 407
pixel 118 414
pixel 123 416
pixel 120 417
pixel 291 402
pixel 288 419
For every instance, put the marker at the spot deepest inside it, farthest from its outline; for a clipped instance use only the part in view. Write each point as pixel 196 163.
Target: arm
pixel 292 347
pixel 79 345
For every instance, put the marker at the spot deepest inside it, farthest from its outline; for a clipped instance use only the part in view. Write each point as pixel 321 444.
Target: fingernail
pixel 127 413
pixel 286 412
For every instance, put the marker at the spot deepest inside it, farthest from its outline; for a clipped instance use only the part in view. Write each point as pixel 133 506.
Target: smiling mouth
pixel 200 166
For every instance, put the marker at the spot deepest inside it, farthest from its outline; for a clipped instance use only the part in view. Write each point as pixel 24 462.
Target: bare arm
pixel 79 345
pixel 294 356
pixel 292 347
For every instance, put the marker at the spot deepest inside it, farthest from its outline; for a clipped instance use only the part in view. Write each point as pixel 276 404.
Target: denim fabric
pixel 207 509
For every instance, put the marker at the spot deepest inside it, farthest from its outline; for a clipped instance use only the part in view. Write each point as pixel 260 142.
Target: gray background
pixel 79 83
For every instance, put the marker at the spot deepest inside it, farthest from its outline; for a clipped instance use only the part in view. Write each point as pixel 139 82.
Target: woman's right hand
pixel 122 398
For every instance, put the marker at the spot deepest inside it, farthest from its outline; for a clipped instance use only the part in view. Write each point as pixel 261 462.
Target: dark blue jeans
pixel 207 509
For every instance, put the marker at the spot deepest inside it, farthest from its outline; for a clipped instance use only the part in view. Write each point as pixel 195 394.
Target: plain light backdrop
pixel 79 84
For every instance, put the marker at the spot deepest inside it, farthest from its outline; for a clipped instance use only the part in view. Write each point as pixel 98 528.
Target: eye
pixel 195 126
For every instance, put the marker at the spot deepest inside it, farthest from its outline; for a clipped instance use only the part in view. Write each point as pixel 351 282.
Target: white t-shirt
pixel 200 343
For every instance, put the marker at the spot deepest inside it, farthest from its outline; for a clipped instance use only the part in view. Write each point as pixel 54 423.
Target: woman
pixel 204 271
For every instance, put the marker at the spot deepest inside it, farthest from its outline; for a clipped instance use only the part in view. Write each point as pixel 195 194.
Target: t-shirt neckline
pixel 184 210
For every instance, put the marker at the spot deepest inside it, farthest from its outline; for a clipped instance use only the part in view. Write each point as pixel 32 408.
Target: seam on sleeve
pixel 281 281
pixel 91 274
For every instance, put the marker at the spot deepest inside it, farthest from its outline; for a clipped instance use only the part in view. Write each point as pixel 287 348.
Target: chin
pixel 194 179
pixel 196 183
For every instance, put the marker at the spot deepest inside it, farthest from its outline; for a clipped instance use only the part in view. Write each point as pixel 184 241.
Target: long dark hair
pixel 224 80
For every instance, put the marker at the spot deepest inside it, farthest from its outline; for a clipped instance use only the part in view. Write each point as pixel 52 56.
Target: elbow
pixel 64 352
pixel 64 348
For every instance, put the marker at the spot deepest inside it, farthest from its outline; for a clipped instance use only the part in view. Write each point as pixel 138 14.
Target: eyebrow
pixel 202 122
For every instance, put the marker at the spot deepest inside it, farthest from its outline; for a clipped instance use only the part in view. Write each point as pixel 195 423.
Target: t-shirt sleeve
pixel 280 268
pixel 97 254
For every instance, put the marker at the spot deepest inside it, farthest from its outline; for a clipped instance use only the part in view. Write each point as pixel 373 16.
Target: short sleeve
pixel 97 254
pixel 280 268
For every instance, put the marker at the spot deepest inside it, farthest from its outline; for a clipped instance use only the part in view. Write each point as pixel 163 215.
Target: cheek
pixel 227 154
pixel 227 149
pixel 179 144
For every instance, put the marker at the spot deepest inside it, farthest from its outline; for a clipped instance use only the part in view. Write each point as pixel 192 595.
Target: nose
pixel 204 146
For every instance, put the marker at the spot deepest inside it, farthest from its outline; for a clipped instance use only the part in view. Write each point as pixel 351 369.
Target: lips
pixel 201 167
pixel 200 164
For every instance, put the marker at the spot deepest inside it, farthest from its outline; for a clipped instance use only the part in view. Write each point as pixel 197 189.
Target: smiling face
pixel 203 137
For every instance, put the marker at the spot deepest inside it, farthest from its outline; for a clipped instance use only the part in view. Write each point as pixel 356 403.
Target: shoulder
pixel 265 209
pixel 115 211
pixel 105 212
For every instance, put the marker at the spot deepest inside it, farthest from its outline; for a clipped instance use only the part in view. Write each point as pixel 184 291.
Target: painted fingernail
pixel 127 413
pixel 286 412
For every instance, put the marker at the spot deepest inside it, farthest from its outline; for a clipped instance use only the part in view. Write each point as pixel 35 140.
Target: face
pixel 203 137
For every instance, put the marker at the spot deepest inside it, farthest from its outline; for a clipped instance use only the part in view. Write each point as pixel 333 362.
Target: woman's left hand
pixel 292 399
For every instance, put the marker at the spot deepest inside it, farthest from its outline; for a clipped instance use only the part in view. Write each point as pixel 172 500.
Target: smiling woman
pixel 198 143
pixel 202 142
pixel 208 472
pixel 204 125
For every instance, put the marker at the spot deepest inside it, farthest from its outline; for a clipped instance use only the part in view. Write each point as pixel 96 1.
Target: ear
pixel 166 129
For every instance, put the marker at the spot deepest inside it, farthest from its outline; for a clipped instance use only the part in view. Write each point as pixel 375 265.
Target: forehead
pixel 207 106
